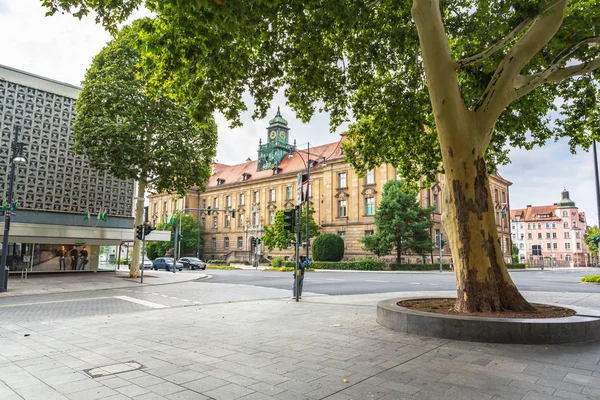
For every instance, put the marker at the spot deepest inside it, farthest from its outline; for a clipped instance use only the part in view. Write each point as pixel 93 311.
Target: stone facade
pixel 344 203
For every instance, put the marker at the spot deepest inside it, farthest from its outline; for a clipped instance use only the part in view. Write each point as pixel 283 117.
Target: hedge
pixel 515 266
pixel 362 265
pixel 218 262
pixel 591 278
pixel 419 267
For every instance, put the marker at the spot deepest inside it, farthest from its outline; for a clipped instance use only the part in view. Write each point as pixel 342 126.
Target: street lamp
pixel 17 159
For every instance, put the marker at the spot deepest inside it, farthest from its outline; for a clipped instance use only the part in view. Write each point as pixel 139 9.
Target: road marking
pixel 53 302
pixel 415 283
pixel 433 284
pixel 342 280
pixel 367 280
pixel 142 302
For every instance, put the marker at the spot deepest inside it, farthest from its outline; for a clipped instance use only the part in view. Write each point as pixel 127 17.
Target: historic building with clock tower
pixel 277 146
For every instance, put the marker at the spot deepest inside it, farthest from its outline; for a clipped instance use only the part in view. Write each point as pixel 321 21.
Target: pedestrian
pixel 299 277
pixel 74 254
pixel 83 256
pixel 62 262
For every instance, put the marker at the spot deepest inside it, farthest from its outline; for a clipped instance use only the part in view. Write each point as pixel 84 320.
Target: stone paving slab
pixel 78 282
pixel 320 348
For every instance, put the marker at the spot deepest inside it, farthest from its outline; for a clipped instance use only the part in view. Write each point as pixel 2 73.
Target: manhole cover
pixel 113 369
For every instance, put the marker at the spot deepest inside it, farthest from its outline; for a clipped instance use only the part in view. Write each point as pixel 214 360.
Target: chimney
pixel 248 159
pixel 528 205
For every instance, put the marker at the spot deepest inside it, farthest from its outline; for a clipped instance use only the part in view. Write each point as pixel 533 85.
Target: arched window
pixel 539 225
pixel 568 257
pixel 565 213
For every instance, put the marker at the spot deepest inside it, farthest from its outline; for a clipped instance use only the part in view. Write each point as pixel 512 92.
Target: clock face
pixel 273 134
pixel 282 135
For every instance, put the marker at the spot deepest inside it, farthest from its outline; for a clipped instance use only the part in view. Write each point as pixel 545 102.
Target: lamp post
pixel 198 220
pixel 17 158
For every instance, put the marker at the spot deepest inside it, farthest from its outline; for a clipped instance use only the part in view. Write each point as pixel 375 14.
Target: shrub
pixel 218 262
pixel 288 264
pixel 277 262
pixel 328 247
pixel 221 267
pixel 591 278
pixel 243 262
pixel 515 266
pixel 368 264
pixel 419 267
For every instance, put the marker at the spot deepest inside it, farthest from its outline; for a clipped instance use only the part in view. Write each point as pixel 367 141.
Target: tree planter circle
pixel 584 326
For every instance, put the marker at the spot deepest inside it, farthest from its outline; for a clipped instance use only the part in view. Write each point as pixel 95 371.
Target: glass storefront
pixel 37 257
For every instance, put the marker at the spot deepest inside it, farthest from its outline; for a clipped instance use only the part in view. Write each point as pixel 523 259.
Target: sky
pixel 62 48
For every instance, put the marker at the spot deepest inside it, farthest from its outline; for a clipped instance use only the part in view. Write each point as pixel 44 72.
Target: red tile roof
pixel 531 213
pixel 234 173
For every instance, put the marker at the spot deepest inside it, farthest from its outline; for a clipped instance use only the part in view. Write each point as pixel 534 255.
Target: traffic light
pixel 289 220
pixel 258 241
pixel 596 240
pixel 442 243
pixel 208 210
pixel 139 231
pixel 148 229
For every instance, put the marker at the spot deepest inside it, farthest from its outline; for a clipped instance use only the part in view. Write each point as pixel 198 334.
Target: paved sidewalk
pixel 77 282
pixel 326 347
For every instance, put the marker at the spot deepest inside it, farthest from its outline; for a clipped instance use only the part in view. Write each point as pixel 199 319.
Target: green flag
pixel 172 220
pixel 4 206
pixel 86 215
pixel 102 215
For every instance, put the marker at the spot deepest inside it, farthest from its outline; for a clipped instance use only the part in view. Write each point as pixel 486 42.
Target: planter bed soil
pixel 446 306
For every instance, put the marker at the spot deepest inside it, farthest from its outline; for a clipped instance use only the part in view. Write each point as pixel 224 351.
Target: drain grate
pixel 113 369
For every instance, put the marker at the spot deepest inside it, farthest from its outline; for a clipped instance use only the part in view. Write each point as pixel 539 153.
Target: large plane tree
pixel 429 85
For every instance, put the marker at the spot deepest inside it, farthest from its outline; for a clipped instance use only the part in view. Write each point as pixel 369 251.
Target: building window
pixel 175 205
pixel 522 246
pixel 271 217
pixel 496 195
pixel 342 180
pixel 503 196
pixel 343 236
pixel 272 195
pixel 165 211
pixel 216 202
pixel 506 244
pixel 529 246
pixel 240 242
pixel 203 221
pixel 370 178
pixel 214 243
pixel 566 235
pixel 227 221
pixel 228 201
pixel 255 218
pixel 529 236
pixel 215 222
pixel 370 205
pixel 256 197
pixel 156 208
pixel 226 242
pixel 553 235
pixel 548 245
pixel 435 203
pixel 577 235
pixel 555 246
pixel 547 225
pixel 554 225
pixel 578 244
pixel 539 235
pixel 288 193
pixel 568 258
pixel 567 245
pixel 514 236
pixel 565 213
pixel 342 211
pixel 539 225
pixel 531 257
pixel 574 224
pixel 241 199
pixel 203 203
pixel 369 232
pixel 241 219
pixel 547 235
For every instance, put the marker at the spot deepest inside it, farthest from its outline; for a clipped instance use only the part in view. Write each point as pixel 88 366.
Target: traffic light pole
pixel 441 249
pixel 297 255
pixel 143 243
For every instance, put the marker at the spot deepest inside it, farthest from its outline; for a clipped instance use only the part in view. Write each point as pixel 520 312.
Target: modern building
pixel 344 203
pixel 55 187
pixel 552 235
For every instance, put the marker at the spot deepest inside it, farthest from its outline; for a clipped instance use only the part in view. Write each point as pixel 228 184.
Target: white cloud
pixel 62 47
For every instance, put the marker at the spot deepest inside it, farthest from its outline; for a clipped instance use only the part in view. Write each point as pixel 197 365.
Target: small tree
pixel 589 235
pixel 276 236
pixel 188 237
pixel 328 247
pixel 515 253
pixel 124 130
pixel 402 224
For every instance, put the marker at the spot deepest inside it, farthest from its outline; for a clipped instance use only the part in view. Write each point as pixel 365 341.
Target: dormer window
pixel 220 181
pixel 276 171
pixel 245 176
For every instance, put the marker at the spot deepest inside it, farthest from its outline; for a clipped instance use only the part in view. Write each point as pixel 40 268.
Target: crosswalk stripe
pixel 142 302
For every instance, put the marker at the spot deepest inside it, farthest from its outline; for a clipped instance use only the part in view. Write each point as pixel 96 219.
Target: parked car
pixel 147 262
pixel 165 263
pixel 192 263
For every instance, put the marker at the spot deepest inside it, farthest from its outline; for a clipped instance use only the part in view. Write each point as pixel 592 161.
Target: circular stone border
pixel 582 327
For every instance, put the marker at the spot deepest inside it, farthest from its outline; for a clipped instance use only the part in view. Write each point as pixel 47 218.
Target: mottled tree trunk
pixel 134 269
pixel 482 280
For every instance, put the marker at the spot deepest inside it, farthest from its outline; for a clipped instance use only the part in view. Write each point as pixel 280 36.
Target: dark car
pixel 165 263
pixel 192 263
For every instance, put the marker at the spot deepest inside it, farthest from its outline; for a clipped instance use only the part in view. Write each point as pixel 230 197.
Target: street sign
pixel 299 189
pixel 12 213
pixel 305 187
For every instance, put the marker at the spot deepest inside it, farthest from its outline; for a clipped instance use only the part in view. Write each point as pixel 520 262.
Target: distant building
pixel 344 203
pixel 551 234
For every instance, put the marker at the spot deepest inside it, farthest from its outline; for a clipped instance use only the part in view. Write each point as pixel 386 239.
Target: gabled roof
pixel 532 214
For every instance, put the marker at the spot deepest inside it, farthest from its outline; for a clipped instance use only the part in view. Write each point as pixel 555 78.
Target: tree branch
pixel 500 90
pixel 557 75
pixel 440 69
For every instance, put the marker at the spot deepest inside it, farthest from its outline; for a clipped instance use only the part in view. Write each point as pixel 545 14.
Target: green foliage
pixel 328 247
pixel 367 264
pixel 216 261
pixel 276 236
pixel 189 238
pixel 402 224
pixel 515 253
pixel 132 133
pixel 419 267
pixel 245 262
pixel 285 269
pixel 591 278
pixel 277 262
pixel 515 266
pixel 225 267
pixel 591 233
pixel 366 63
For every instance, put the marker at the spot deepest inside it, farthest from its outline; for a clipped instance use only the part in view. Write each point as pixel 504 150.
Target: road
pixel 251 285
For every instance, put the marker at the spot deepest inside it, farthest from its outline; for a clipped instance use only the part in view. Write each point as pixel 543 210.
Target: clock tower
pixel 277 146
